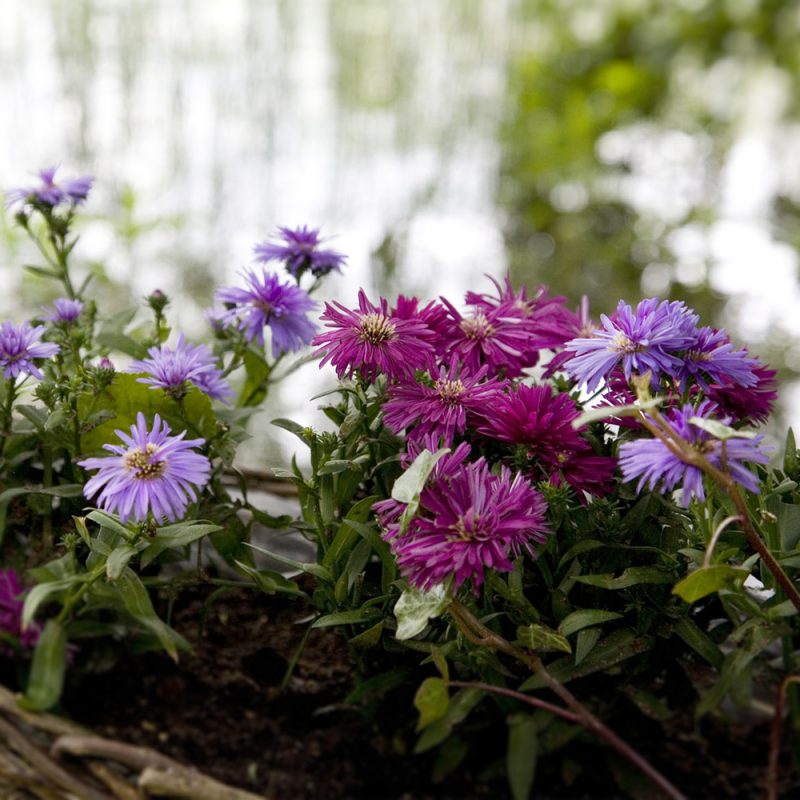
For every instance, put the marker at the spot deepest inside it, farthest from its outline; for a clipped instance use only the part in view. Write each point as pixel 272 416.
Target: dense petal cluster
pixel 374 340
pixel 656 465
pixel 267 302
pixel 712 357
pixel 469 521
pixel 300 250
pixel 151 473
pixel 64 310
pixel 442 405
pixel 171 369
pixel 50 192
pixel 751 403
pixel 541 421
pixel 20 346
pixel 12 600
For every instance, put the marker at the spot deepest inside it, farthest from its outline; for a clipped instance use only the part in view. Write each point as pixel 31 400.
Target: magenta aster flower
pixel 150 473
pixel 19 346
pixel 50 192
pixel 372 340
pixel 647 339
pixel 268 303
pixel 300 250
pixel 548 322
pixel 12 601
pixel 172 369
pixel 498 337
pixel 712 358
pixel 655 464
pixel 468 523
pixel 752 403
pixel 541 421
pixel 64 310
pixel 442 406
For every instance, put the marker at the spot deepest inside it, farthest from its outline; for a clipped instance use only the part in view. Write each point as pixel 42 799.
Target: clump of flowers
pixel 150 474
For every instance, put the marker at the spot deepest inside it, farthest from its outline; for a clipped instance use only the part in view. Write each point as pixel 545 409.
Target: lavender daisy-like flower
pixel 442 406
pixel 299 249
pixel 372 340
pixel 468 523
pixel 20 346
pixel 541 421
pixel 646 339
pixel 12 601
pixel 64 310
pixel 172 369
pixel 712 358
pixel 50 192
pixel 652 461
pixel 268 303
pixel 150 473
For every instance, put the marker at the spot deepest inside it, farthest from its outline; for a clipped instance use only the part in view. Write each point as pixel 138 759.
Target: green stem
pixel 8 410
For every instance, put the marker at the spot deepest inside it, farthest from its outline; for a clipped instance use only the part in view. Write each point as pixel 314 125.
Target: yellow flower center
pixel 376 328
pixel 140 461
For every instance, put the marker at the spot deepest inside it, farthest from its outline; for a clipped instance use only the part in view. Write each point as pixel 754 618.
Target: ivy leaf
pixel 431 700
pixel 707 580
pixel 415 607
pixel 542 638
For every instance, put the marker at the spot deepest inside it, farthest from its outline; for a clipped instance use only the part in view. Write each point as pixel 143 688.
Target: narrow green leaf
pixel 542 638
pixel 369 638
pixel 271 582
pixel 354 617
pixel 632 576
pixel 699 641
pixel 118 560
pixel 707 580
pixel 587 639
pixel 312 569
pixel 46 678
pixel 43 592
pixel 791 465
pixel 431 700
pixel 603 412
pixel 174 536
pixel 521 756
pixel 584 618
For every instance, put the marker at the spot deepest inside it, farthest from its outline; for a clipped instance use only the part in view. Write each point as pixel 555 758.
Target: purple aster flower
pixel 64 310
pixel 498 337
pixel 12 600
pixel 372 340
pixel 19 346
pixel 266 302
pixel 752 403
pixel 50 192
pixel 646 339
pixel 712 358
pixel 150 473
pixel 468 522
pixel 542 422
pixel 171 369
pixel 652 461
pixel 442 406
pixel 300 250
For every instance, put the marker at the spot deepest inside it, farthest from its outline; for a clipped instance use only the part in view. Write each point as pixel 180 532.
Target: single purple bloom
pixel 712 358
pixel 751 403
pixel 300 250
pixel 498 337
pixel 652 461
pixel 266 302
pixel 12 601
pixel 647 339
pixel 151 473
pixel 442 406
pixel 468 523
pixel 542 422
pixel 19 346
pixel 50 192
pixel 171 369
pixel 371 340
pixel 64 310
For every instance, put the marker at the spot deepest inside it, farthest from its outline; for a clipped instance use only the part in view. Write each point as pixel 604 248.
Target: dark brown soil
pixel 222 709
